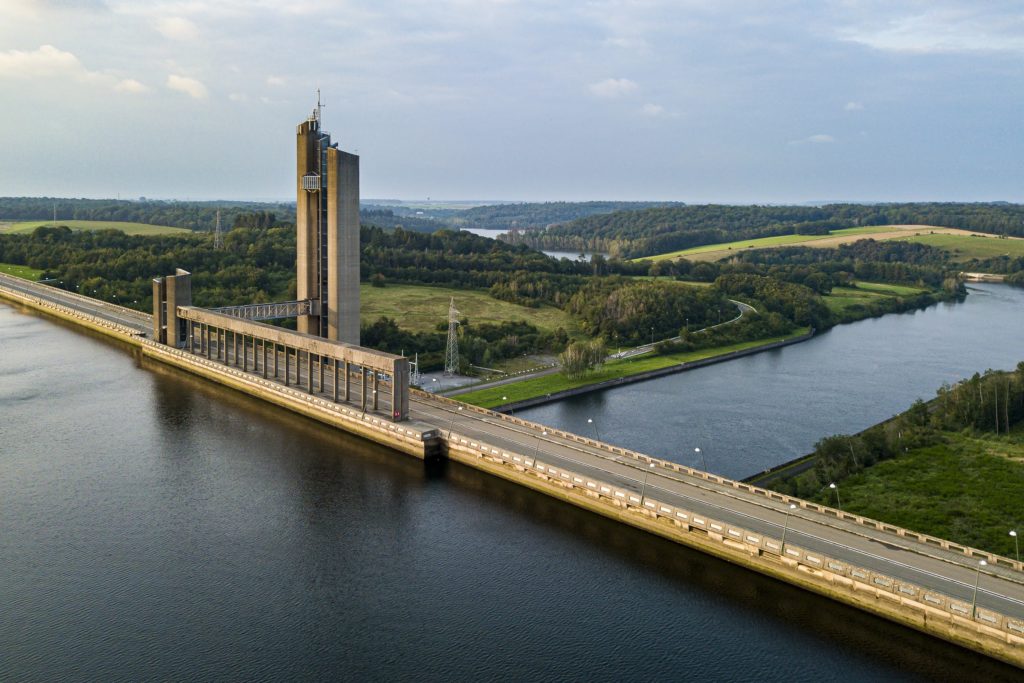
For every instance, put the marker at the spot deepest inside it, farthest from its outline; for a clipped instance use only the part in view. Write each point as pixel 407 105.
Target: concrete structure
pixel 926 583
pixel 327 240
pixel 168 293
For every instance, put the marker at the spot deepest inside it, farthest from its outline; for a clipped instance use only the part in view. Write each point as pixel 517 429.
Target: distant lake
pixel 493 234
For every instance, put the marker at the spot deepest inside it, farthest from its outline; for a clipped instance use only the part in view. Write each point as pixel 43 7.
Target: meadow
pixel 23 272
pixel 842 298
pixel 966 247
pixel 27 227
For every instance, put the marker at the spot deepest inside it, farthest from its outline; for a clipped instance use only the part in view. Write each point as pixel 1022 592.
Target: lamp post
pixel 452 423
pixel 785 529
pixel 977 580
pixel 704 463
pixel 836 489
pixel 1016 543
pixel 590 421
pixel 643 489
pixel 536 451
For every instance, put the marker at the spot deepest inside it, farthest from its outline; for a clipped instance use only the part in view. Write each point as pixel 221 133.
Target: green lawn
pixel 965 247
pixel 765 242
pixel 842 298
pixel 420 309
pixel 26 227
pixel 23 272
pixel 967 490
pixel 549 384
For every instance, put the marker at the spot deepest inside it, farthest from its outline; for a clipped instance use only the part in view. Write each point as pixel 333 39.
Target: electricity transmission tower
pixel 451 355
pixel 218 242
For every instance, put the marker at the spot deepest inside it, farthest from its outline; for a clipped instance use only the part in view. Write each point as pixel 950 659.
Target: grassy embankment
pixel 842 298
pixel 549 384
pixel 966 247
pixel 419 308
pixel 967 489
pixel 27 227
pixel 721 249
pixel 23 272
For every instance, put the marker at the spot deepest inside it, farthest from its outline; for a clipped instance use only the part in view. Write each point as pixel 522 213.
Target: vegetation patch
pixel 966 247
pixel 23 272
pixel 28 227
pixel 549 384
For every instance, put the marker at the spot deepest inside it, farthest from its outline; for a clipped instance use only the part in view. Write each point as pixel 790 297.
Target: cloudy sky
pixel 691 100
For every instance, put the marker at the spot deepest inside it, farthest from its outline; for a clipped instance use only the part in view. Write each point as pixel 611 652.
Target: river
pixel 749 414
pixel 156 526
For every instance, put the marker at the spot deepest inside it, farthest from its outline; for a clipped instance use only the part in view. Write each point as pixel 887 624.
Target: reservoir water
pixel 157 527
pixel 749 414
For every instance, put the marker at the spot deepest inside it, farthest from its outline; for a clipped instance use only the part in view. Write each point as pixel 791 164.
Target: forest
pixel 646 232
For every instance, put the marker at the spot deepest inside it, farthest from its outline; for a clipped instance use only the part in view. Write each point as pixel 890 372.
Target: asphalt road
pixel 947 572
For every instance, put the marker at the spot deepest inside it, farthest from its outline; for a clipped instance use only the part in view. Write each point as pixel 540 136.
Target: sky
pixel 734 101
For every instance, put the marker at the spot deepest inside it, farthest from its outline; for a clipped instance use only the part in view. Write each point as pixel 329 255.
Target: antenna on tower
pixel 218 242
pixel 451 354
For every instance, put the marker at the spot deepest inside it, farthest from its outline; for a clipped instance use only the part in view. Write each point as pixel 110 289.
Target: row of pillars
pixel 266 356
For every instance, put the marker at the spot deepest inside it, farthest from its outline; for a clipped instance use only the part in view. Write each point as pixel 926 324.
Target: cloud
pixel 130 85
pixel 275 81
pixel 949 29
pixel 817 139
pixel 189 86
pixel 613 87
pixel 854 106
pixel 177 28
pixel 49 62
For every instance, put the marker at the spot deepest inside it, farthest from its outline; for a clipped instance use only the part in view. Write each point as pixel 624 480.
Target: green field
pixel 967 490
pixel 765 242
pixel 26 227
pixel 842 298
pixel 965 247
pixel 23 272
pixel 421 309
pixel 549 384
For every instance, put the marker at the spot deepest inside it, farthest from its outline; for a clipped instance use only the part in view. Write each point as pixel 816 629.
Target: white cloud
pixel 49 62
pixel 177 28
pixel 817 139
pixel 189 86
pixel 613 87
pixel 653 110
pixel 238 97
pixel 854 106
pixel 275 81
pixel 130 85
pixel 950 29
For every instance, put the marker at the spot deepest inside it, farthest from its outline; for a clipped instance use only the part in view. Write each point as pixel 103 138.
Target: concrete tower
pixel 327 221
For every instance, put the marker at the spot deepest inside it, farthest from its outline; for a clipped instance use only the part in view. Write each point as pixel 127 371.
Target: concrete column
pixel 287 367
pixel 276 360
pixel 348 382
pixel 336 378
pixel 320 365
pixel 362 389
pixel 263 347
pixel 309 371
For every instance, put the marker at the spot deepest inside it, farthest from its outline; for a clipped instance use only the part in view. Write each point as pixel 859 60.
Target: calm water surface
pixel 155 527
pixel 749 414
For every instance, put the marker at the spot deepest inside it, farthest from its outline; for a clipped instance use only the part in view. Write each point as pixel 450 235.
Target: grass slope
pixel 421 309
pixel 965 247
pixel 842 298
pixel 549 384
pixel 967 490
pixel 23 272
pixel 26 227
pixel 765 243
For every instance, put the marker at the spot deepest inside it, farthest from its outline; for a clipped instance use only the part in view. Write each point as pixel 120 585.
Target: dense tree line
pixel 634 234
pixel 528 215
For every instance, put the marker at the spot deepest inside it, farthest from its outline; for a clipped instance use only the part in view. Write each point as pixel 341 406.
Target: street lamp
pixel 643 489
pixel 704 462
pixel 785 529
pixel 836 489
pixel 590 421
pixel 1016 543
pixel 536 451
pixel 977 580
pixel 452 423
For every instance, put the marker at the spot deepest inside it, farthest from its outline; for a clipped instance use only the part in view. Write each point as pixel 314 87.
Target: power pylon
pixel 451 354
